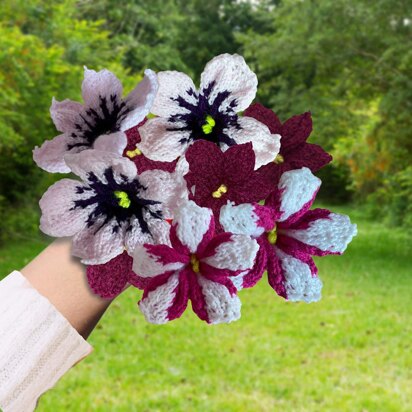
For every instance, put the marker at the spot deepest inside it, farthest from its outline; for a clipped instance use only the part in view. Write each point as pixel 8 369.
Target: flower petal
pixel 100 87
pixel 265 145
pixel 110 279
pixel 230 73
pixel 97 162
pixel 192 224
pixel 307 155
pixel 331 234
pixel 96 246
pixel 175 88
pixel 251 277
pixel 112 143
pixel 160 141
pixel 50 156
pixel 220 305
pixel 206 170
pixel 239 163
pixel 296 130
pixel 154 260
pixel 135 235
pixel 239 253
pixel 241 219
pixel 275 273
pixel 58 216
pixel 65 114
pixel 300 284
pixel 140 100
pixel 165 301
pixel 265 116
pixel 296 192
pixel 168 188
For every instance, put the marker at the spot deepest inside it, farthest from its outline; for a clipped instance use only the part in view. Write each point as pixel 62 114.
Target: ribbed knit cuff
pixel 37 345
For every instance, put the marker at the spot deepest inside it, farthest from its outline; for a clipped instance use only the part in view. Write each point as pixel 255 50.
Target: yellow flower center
pixel 279 159
pixel 133 153
pixel 220 191
pixel 272 236
pixel 194 261
pixel 209 124
pixel 123 198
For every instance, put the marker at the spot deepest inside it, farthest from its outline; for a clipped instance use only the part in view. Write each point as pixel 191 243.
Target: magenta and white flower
pixel 187 114
pixel 198 265
pixel 112 208
pixel 289 234
pixel 100 122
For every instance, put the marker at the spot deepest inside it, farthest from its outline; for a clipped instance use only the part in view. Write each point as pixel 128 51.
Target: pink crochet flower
pixel 227 86
pixel 289 234
pixel 100 122
pixel 140 160
pixel 215 177
pixel 112 208
pixel 199 266
pixel 294 152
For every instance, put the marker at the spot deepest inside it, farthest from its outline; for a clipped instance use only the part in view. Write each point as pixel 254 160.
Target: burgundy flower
pixel 294 152
pixel 109 279
pixel 215 177
pixel 140 160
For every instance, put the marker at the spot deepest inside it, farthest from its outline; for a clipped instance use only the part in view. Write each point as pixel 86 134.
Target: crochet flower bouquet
pixel 195 203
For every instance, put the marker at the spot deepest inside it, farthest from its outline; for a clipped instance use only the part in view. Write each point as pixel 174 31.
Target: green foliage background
pixel 347 61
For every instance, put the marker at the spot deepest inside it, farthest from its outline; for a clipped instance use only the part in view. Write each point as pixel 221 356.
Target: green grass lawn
pixel 349 352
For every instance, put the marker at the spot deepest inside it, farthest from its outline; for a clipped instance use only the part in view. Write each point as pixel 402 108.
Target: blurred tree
pixel 43 49
pixel 176 34
pixel 350 63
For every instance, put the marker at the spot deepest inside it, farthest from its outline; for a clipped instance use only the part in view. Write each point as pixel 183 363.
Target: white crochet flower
pixel 199 266
pixel 112 208
pixel 100 122
pixel 186 114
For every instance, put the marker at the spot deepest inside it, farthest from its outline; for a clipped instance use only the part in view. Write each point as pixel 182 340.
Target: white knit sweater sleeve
pixel 37 345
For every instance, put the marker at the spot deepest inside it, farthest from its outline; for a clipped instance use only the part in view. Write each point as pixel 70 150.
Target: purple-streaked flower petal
pixel 158 232
pixel 59 218
pixel 161 142
pixel 175 88
pixel 165 301
pixel 252 276
pixel 300 284
pixel 154 260
pixel 97 162
pixel 231 75
pixel 248 219
pixel 140 100
pixel 265 145
pixel 239 253
pixel 220 305
pixel 99 243
pixel 165 187
pixel 296 192
pixel 111 143
pixel 50 156
pixel 330 235
pixel 101 85
pixel 65 114
pixel 192 224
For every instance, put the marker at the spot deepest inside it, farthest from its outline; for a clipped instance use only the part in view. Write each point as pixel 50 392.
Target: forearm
pixel 61 279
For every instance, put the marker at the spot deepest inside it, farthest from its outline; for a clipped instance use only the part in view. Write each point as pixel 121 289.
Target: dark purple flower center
pixel 122 201
pixel 94 122
pixel 206 120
